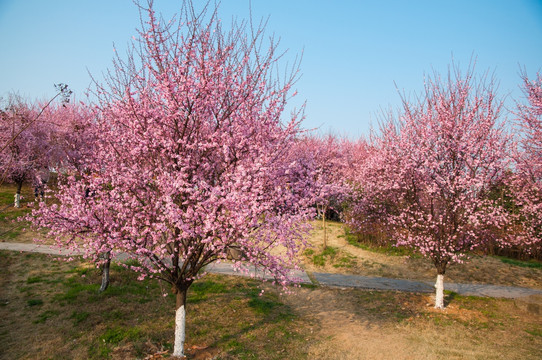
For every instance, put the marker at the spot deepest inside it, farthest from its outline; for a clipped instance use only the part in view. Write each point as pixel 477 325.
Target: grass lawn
pixel 51 309
pixel 10 229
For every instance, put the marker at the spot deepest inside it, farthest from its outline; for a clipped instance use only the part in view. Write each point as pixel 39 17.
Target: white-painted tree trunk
pixel 180 331
pixel 17 200
pixel 439 298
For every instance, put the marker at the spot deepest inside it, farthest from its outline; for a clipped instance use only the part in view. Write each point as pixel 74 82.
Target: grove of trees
pixel 185 155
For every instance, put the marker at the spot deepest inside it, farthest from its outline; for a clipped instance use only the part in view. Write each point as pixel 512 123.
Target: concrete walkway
pixel 379 283
pixel 332 280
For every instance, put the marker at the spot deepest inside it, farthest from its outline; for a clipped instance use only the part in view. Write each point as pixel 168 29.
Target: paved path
pixel 332 280
pixel 379 283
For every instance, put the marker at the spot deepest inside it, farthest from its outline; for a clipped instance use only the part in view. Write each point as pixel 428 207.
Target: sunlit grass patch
pixel 330 255
pixel 387 249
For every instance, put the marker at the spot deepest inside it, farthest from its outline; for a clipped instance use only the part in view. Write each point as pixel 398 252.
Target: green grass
pixel 352 239
pixel 44 316
pixel 526 264
pixel 263 304
pixel 534 332
pixel 387 250
pixel 346 261
pixel 114 315
pixel 224 313
pixel 7 195
pixel 117 334
pixel 34 302
pixel 35 279
pixel 79 316
pixel 13 213
pixel 11 235
pixel 111 338
pixel 465 301
pixel 332 255
pixel 75 292
pixel 329 251
pixel 200 291
pixel 10 227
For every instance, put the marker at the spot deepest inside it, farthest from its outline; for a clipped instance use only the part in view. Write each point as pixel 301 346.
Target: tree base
pixel 180 331
pixel 439 295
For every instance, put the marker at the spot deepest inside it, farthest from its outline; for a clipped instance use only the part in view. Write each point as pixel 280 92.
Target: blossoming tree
pixel 190 158
pixel 74 135
pixel 526 184
pixel 27 147
pixel 326 160
pixel 433 167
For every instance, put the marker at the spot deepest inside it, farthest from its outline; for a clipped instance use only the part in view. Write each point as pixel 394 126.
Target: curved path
pixel 325 279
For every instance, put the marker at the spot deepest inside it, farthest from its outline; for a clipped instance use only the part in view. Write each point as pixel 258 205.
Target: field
pixel 51 309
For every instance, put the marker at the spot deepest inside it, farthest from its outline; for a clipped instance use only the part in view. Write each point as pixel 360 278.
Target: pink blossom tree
pixel 526 183
pixel 361 214
pixel 74 142
pixel 27 147
pixel 74 137
pixel 433 168
pixel 62 91
pixel 325 157
pixel 190 158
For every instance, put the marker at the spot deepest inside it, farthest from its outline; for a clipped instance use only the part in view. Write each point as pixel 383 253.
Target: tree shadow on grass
pixel 249 322
pixel 449 298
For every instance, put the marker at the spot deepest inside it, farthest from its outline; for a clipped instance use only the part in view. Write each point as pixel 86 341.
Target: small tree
pixel 433 168
pixel 190 158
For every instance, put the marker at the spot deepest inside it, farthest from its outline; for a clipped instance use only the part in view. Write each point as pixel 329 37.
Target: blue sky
pixel 354 52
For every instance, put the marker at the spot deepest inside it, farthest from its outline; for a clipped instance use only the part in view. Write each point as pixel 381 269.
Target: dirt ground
pixel 353 325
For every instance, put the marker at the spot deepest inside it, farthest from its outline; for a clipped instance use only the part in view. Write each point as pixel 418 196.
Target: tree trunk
pixel 18 195
pixel 105 271
pixel 439 296
pixel 324 208
pixel 180 323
